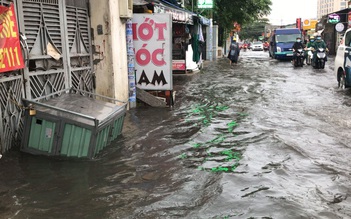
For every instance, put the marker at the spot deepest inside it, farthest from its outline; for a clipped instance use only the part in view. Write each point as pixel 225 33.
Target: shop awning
pixel 140 2
pixel 204 21
pixel 179 14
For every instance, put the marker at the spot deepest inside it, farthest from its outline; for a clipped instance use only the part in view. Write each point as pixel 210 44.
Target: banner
pixel 10 49
pixel 152 37
pixel 130 62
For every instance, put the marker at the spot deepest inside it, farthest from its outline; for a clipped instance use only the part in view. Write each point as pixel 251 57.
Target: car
pixel 257 46
pixel 342 67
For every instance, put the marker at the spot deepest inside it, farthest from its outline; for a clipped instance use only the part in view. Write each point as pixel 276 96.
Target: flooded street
pixel 258 140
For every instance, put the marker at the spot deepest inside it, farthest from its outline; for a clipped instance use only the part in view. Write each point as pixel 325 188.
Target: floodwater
pixel 258 140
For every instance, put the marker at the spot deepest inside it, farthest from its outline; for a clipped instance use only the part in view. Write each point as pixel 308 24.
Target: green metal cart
pixel 72 123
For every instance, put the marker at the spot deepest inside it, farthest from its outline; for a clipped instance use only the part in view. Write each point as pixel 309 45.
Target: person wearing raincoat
pixel 318 43
pixel 234 52
pixel 308 47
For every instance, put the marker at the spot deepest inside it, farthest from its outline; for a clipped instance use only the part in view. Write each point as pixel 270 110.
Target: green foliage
pixel 241 11
pixel 253 30
pixel 226 12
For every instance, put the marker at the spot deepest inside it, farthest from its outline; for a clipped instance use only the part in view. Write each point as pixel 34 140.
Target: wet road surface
pixel 258 140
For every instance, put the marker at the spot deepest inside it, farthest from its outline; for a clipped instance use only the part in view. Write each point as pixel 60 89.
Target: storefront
pixel 332 27
pixel 182 27
pixel 186 41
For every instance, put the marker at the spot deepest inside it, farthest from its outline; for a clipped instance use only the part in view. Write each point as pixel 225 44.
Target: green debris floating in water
pixel 225 169
pixel 231 155
pixel 206 112
pixel 203 115
pixel 220 168
pixel 183 156
pixel 219 139
pixel 197 145
pixel 231 126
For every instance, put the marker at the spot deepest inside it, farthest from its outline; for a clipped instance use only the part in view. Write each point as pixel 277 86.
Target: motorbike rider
pixel 308 46
pixel 297 45
pixel 265 45
pixel 318 43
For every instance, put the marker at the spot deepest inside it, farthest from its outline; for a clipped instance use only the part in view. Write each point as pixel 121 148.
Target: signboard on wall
pixel 309 24
pixel 179 65
pixel 333 18
pixel 152 37
pixel 10 49
pixel 178 16
pixel 339 27
pixel 205 3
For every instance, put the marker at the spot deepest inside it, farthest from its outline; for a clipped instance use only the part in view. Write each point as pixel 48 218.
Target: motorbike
pixel 309 56
pixel 320 59
pixel 298 58
pixel 265 47
pixel 245 47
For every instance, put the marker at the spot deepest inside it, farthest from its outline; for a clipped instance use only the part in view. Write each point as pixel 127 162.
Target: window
pixel 288 38
pixel 343 5
pixel 348 39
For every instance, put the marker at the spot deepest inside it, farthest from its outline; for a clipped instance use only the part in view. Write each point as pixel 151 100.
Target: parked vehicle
pixel 320 60
pixel 281 43
pixel 298 58
pixel 342 66
pixel 257 46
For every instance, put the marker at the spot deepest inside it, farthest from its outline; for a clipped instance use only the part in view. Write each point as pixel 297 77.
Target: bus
pixel 281 43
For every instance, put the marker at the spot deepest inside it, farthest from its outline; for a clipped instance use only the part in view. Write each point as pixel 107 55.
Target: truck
pixel 281 43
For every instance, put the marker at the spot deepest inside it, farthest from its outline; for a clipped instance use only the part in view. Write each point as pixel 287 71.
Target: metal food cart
pixel 73 123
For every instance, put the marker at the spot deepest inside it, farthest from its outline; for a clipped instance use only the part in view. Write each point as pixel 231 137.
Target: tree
pixel 254 29
pixel 226 12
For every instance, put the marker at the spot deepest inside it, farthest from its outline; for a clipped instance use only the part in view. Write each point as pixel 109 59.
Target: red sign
pixel 298 23
pixel 10 49
pixel 178 65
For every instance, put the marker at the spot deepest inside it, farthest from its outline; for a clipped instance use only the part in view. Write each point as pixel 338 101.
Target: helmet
pixel 312 38
pixel 234 38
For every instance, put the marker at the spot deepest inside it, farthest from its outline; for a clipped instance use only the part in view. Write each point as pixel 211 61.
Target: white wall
pixel 111 71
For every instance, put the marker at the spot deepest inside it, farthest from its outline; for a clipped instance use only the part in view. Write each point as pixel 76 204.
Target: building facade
pixel 327 6
pixel 77 44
